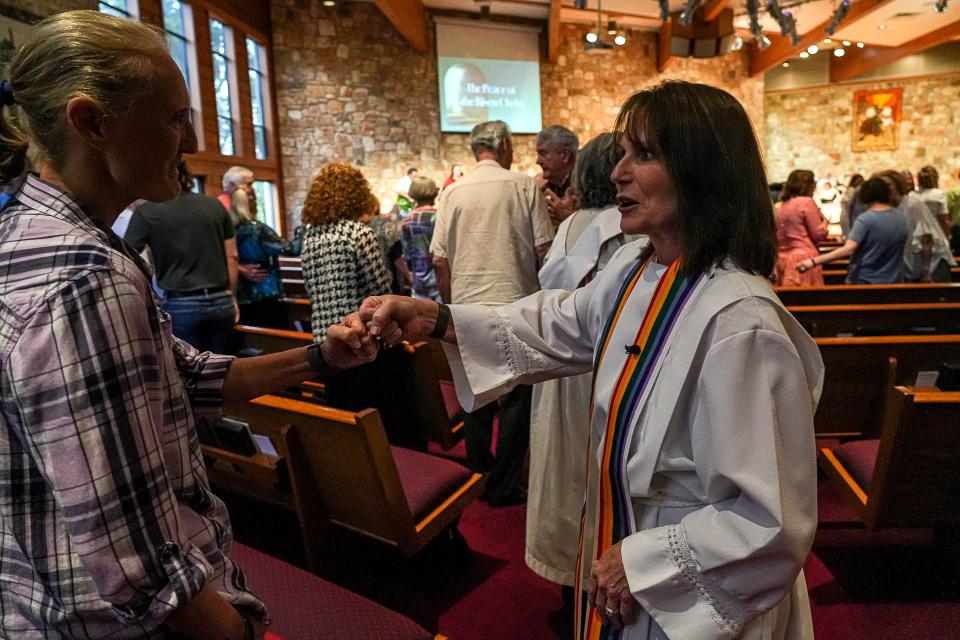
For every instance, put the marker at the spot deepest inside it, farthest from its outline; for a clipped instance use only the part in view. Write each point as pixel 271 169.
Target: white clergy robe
pixel 721 467
pixel 559 420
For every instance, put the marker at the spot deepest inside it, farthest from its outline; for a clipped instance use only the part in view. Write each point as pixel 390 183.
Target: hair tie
pixel 6 93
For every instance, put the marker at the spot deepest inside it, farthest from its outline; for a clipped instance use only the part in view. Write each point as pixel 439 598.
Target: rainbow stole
pixel 615 517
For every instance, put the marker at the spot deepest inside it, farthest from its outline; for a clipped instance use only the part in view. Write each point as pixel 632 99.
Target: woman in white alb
pixel 701 477
pixel 559 424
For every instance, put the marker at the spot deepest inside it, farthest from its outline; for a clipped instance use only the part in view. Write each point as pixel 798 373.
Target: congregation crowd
pixel 893 231
pixel 614 317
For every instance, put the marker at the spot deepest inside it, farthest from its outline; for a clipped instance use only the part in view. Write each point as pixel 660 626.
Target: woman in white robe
pixel 701 491
pixel 560 415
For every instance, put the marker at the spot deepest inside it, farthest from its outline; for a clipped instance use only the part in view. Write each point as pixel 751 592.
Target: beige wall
pixel 811 129
pixel 350 89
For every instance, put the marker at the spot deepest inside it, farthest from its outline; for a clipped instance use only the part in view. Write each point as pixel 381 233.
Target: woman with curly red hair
pixel 342 261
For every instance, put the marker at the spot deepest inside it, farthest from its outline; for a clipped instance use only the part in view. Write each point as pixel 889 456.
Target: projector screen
pixel 488 72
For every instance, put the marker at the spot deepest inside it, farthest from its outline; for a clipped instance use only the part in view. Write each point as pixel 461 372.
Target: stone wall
pixel 350 89
pixel 811 129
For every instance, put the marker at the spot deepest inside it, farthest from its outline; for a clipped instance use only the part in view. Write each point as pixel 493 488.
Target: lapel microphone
pixel 632 349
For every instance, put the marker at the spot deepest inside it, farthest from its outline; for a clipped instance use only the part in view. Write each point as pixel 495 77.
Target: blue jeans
pixel 203 321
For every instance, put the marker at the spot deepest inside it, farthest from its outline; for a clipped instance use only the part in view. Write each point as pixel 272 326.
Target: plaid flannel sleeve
pixel 202 374
pixel 86 380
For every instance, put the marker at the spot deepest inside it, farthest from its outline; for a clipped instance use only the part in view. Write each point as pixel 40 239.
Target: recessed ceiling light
pixel 839 52
pixel 881 27
pixel 620 40
pixel 813 49
pixel 827 41
pixel 846 43
pixel 591 37
pixel 804 55
pixel 786 64
pixel 329 3
pixel 859 45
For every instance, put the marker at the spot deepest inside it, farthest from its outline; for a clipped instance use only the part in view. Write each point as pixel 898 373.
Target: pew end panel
pixel 910 476
pixel 343 458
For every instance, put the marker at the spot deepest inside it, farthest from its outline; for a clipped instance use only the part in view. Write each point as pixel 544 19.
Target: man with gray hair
pixel 557 154
pixel 491 234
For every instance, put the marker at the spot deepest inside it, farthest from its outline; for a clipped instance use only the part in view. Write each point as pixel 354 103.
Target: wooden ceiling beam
pixel 713 9
pixel 624 19
pixel 858 61
pixel 781 49
pixel 409 18
pixel 553 31
pixel 664 56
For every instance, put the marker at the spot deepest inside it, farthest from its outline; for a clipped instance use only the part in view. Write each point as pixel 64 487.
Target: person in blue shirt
pixel 876 241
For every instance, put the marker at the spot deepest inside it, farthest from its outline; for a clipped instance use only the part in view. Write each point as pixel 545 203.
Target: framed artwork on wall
pixel 876 119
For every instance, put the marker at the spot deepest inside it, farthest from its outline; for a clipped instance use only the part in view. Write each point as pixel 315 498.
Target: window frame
pixel 132 10
pixel 229 58
pixel 192 79
pixel 262 74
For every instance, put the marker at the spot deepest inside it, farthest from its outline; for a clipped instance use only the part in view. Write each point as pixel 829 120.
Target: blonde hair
pixel 338 192
pixel 108 60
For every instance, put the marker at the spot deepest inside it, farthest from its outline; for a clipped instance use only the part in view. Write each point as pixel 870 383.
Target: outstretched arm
pixel 346 345
pixel 840 252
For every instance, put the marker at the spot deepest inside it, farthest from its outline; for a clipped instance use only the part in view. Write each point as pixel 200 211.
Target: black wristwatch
pixel 317 361
pixel 443 319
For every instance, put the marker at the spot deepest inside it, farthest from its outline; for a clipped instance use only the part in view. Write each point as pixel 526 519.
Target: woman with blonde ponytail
pixel 108 527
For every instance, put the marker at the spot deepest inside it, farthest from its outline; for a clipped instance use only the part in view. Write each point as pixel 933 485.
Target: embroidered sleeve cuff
pixel 483 368
pixel 666 581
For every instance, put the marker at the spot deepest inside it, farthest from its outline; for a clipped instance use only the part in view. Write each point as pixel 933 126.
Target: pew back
pixel 271 340
pixel 856 377
pixel 878 319
pixel 869 294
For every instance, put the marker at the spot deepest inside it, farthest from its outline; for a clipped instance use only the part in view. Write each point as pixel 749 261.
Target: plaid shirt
pixel 107 522
pixel 416 231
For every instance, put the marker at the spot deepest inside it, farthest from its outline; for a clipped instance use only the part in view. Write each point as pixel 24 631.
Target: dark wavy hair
pixel 800 182
pixel 712 156
pixel 873 191
pixel 591 174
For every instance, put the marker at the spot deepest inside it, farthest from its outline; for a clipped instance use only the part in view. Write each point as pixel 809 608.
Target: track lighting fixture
pixel 838 15
pixel 686 16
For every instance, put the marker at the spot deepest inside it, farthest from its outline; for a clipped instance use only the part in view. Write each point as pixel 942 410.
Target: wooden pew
pixel 869 294
pixel 857 376
pixel 878 319
pixel 296 310
pixel 433 400
pixel 837 274
pixel 400 497
pixel 405 385
pixel 291 277
pixel 271 340
pixel 910 475
pixel 271 481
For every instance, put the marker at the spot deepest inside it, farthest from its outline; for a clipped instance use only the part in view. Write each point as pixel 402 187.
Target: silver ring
pixel 609 611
